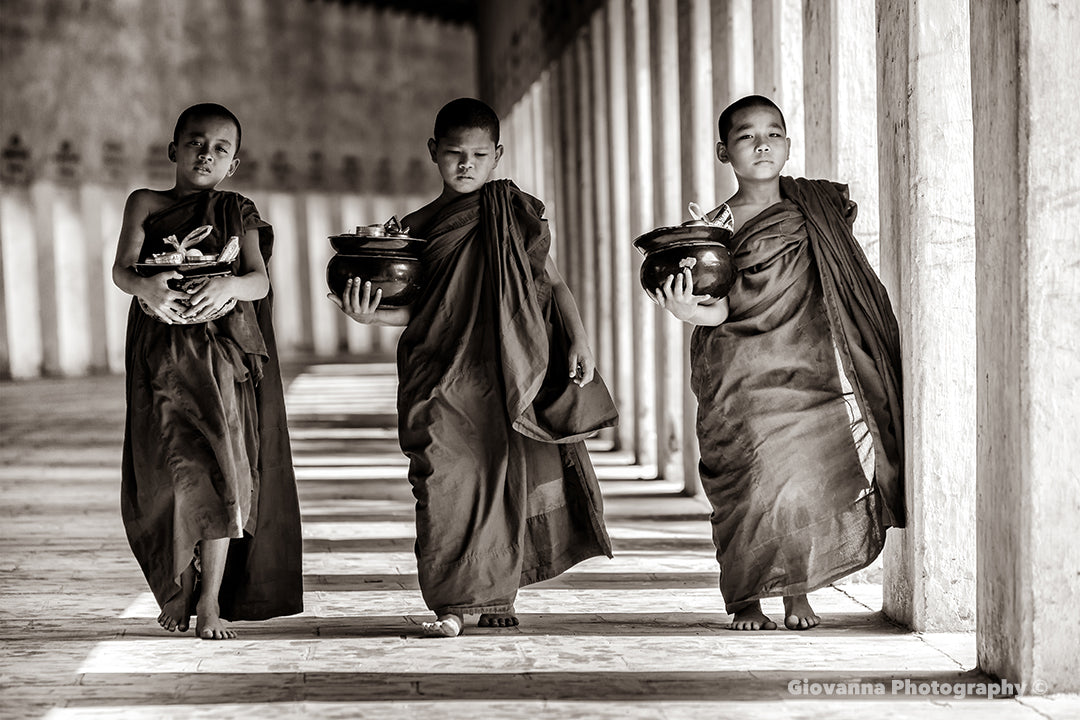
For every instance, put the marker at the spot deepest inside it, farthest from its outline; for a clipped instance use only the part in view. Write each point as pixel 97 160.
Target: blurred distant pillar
pixel 778 67
pixel 731 29
pixel 642 187
pixel 672 363
pixel 624 286
pixel 697 161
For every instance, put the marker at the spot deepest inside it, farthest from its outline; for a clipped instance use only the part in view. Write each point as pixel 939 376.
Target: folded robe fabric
pixel 792 507
pixel 206 446
pixel 506 494
pixel 863 324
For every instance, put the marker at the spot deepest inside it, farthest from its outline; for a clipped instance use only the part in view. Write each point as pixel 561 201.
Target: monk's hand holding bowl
pixel 208 297
pixel 582 363
pixel 677 296
pixel 357 301
pixel 169 304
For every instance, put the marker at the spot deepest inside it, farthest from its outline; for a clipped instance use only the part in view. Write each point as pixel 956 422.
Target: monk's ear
pixel 722 153
pixel 432 148
pixel 232 166
pixel 172 151
pixel 498 154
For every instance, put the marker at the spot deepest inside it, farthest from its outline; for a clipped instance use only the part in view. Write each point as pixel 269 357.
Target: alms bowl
pixel 396 274
pixel 700 247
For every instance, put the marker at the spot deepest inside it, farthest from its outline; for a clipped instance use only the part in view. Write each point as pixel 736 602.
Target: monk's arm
pixel 567 305
pixel 153 290
pixel 582 364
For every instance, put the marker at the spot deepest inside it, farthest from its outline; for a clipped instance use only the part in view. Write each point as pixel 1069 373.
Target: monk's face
pixel 757 146
pixel 467 158
pixel 204 152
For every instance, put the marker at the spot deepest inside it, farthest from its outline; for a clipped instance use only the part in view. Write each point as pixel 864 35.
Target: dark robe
pixel 206 446
pixel 505 491
pixel 792 507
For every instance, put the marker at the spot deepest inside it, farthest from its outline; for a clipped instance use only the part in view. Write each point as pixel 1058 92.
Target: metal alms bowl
pixel 699 246
pixel 389 261
pixel 398 276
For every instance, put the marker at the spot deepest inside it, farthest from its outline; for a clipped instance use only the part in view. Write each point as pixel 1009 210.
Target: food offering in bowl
pixel 190 261
pixel 383 255
pixel 698 245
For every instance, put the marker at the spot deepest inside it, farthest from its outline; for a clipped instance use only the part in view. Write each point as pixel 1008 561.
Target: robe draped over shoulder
pixel 505 491
pixel 792 506
pixel 206 445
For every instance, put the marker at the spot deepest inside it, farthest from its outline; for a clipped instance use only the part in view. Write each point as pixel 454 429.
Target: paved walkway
pixel 639 636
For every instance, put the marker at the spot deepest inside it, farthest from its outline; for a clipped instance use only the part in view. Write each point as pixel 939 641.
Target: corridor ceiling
pixel 460 11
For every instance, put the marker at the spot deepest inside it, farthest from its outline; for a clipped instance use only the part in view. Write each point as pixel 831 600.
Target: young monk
pixel 208 492
pixel 497 389
pixel 797 376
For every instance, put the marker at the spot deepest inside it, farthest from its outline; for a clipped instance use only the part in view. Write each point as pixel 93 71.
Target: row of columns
pixel 628 110
pixel 974 248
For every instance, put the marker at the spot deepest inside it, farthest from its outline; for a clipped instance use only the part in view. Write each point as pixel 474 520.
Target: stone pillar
pixel 21 300
pixel 668 205
pixel 856 119
pixel 820 63
pixel 554 159
pixel 928 265
pixel 698 159
pixel 1027 202
pixel 625 289
pixel 569 193
pixel 731 27
pixel 778 67
pixel 639 100
pixel 601 271
pixel 584 239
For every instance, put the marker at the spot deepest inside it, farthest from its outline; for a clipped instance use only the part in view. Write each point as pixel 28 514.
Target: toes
pixel 768 625
pixel 794 622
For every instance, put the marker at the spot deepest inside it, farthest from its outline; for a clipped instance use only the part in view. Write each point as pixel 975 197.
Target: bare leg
pixel 750 617
pixel 506 619
pixel 798 615
pixel 448 625
pixel 208 622
pixel 176 613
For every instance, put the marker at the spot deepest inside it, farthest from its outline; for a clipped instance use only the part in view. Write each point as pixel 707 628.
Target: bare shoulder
pixel 143 202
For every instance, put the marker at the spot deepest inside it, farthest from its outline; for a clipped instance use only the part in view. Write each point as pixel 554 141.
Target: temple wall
pixel 336 103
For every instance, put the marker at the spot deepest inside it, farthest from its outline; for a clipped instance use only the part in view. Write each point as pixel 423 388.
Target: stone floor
pixel 638 636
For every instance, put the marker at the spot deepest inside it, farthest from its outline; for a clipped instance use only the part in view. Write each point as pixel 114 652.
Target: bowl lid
pixel 678 235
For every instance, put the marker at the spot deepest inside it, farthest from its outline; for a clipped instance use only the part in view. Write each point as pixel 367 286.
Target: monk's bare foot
pixel 751 618
pixel 507 619
pixel 798 615
pixel 208 622
pixel 176 613
pixel 449 625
